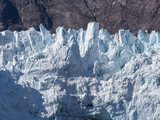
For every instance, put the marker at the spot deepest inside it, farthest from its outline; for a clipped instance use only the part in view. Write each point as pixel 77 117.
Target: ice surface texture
pixel 75 75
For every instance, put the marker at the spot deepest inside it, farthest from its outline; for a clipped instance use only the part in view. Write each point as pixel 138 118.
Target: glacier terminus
pixel 79 74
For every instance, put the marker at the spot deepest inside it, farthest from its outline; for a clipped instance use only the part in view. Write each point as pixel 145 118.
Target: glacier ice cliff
pixel 79 75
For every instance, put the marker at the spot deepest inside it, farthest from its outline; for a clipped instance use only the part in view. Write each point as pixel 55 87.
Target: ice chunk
pixel 81 40
pixel 125 39
pixel 154 39
pixel 18 42
pixel 92 32
pixel 91 53
pixel 104 40
pixel 2 61
pixel 6 37
pixel 158 38
pixel 35 40
pixel 73 33
pixel 143 36
pixel 46 36
pixel 91 36
pixel 140 46
pixel 121 35
pixel 104 35
pixel 62 35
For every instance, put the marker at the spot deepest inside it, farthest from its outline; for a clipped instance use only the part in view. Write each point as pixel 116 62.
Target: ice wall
pixel 100 54
pixel 84 74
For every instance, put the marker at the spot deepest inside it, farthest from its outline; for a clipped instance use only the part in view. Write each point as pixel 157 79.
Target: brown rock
pixel 111 14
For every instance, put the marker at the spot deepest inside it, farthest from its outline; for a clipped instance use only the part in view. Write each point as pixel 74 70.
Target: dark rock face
pixel 111 14
pixel 8 14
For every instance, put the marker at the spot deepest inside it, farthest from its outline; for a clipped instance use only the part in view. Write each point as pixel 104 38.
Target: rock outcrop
pixel 111 14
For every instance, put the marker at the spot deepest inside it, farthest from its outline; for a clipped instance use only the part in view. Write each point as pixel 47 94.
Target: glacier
pixel 79 74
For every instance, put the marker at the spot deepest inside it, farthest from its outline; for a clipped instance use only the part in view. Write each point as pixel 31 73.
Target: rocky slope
pixel 111 14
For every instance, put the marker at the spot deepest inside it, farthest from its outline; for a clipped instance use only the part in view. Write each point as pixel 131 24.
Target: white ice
pixel 84 74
